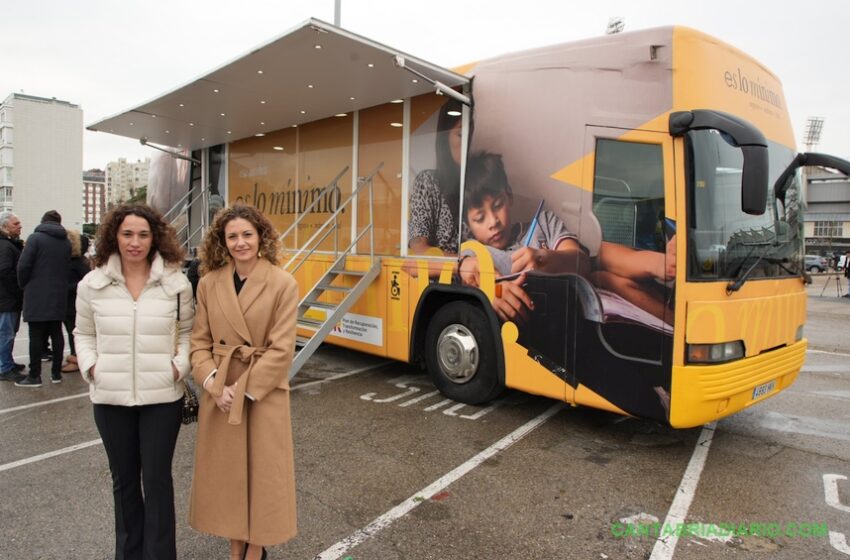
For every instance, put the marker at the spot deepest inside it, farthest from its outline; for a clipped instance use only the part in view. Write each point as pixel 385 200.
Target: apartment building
pixel 124 179
pixel 41 154
pixel 94 196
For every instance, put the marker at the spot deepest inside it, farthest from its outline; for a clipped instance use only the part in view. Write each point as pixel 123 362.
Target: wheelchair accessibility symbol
pixel 395 287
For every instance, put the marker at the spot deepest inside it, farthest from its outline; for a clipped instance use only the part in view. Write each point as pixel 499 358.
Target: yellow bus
pixel 613 223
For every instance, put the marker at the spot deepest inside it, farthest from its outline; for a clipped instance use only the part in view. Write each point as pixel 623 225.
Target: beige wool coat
pixel 244 485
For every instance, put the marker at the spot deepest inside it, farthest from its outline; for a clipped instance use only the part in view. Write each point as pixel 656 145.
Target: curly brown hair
pixel 213 252
pixel 164 239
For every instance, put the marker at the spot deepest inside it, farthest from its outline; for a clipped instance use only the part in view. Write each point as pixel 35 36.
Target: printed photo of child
pixel 544 244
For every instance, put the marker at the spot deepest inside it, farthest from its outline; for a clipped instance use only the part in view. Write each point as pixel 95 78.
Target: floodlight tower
pixel 616 24
pixel 811 136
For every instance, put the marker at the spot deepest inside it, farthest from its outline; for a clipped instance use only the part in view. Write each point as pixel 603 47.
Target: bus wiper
pixel 741 278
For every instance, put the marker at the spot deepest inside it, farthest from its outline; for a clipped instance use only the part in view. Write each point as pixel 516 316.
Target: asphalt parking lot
pixel 388 469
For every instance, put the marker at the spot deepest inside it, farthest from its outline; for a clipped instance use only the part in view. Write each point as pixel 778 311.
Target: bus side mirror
pixel 743 135
pixel 808 158
pixel 754 180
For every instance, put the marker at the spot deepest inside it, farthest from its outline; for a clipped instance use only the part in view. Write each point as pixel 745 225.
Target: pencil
pixel 533 225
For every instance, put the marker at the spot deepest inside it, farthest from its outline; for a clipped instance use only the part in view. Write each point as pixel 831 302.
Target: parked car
pixel 815 263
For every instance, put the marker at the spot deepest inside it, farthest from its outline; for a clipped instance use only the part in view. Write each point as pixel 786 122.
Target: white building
pixel 41 155
pixel 94 196
pixel 123 179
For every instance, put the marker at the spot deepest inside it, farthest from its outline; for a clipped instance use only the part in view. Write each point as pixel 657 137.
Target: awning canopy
pixel 312 72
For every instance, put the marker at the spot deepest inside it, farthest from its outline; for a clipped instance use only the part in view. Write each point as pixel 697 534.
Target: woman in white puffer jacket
pixel 134 318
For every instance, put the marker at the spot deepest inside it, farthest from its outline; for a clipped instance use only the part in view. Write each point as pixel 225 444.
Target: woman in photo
pixel 435 197
pixel 243 487
pixel 134 318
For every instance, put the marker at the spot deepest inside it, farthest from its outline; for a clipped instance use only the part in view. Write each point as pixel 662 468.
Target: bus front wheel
pixel 460 354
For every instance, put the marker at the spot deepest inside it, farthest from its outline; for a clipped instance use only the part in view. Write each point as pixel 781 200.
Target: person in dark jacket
pixel 79 268
pixel 43 271
pixel 11 296
pixel 847 273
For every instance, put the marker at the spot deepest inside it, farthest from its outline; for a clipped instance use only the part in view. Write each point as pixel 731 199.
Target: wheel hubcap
pixel 457 352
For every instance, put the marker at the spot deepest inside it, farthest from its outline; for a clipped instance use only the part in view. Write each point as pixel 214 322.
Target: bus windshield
pixel 724 242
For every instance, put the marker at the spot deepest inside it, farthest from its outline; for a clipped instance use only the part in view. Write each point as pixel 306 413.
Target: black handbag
pixel 189 412
pixel 190 403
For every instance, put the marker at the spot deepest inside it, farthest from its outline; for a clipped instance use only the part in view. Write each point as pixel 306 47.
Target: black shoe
pixel 29 382
pixel 245 553
pixel 56 378
pixel 47 357
pixel 19 367
pixel 11 375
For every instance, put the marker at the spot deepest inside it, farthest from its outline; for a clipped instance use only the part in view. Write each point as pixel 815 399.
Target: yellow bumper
pixel 701 394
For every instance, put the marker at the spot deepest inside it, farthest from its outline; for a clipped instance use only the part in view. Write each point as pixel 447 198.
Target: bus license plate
pixel 764 389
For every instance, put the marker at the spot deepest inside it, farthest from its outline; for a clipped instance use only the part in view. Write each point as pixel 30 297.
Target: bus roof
pixel 313 71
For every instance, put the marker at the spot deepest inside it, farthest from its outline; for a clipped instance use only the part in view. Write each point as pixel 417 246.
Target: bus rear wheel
pixel 460 354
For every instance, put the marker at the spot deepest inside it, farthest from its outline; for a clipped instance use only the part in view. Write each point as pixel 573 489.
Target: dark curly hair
pixel 164 239
pixel 213 252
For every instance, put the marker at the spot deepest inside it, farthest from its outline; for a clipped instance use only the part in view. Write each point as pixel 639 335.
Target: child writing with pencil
pixel 544 244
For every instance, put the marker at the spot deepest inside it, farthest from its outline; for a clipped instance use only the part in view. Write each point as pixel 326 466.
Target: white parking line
pixel 830 492
pixel 827 352
pixel 385 520
pixel 48 455
pixel 341 375
pixel 43 403
pixel 666 545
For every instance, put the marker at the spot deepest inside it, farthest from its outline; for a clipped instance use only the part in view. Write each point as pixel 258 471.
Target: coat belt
pixel 245 354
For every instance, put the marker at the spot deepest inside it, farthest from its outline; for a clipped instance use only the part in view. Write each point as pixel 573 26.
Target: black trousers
pixel 139 442
pixel 39 330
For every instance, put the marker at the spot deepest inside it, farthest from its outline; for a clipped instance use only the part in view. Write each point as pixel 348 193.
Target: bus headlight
pixel 715 353
pixel 798 336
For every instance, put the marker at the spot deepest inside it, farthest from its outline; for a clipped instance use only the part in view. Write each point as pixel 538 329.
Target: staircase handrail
pixel 364 182
pixel 178 206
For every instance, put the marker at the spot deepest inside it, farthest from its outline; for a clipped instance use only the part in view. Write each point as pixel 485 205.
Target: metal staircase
pixel 179 216
pixel 339 288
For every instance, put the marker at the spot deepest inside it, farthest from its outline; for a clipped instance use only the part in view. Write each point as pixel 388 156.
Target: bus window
pixel 380 142
pixel 723 240
pixel 628 193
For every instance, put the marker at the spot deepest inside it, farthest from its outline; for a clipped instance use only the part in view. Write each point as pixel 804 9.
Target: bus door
pixel 625 324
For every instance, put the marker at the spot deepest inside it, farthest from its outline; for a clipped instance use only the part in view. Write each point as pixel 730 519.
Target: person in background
pixel 847 273
pixel 43 275
pixel 11 296
pixel 134 318
pixel 79 268
pixel 193 273
pixel 243 487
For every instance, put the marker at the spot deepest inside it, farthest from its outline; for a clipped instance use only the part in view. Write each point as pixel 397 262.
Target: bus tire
pixel 460 354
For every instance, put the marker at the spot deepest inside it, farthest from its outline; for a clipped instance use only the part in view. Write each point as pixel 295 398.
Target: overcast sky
pixel 109 56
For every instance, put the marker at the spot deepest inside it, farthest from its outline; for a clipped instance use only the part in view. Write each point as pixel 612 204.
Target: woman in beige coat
pixel 242 343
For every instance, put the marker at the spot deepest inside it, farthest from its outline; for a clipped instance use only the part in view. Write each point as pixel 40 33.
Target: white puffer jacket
pixel 133 343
